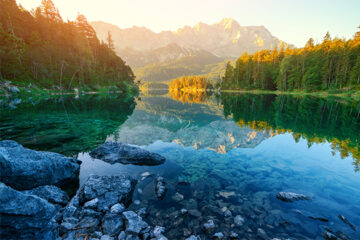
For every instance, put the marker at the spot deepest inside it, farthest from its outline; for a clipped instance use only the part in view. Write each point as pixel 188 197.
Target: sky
pixel 293 21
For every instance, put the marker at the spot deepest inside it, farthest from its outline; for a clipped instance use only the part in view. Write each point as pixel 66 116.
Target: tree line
pixel 189 83
pixel 333 64
pixel 40 48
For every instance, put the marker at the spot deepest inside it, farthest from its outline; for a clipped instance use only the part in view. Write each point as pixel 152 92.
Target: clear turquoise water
pixel 249 146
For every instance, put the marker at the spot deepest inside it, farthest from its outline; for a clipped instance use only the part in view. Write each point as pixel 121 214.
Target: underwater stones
pixel 25 169
pixel 329 236
pixel 160 189
pixel 193 237
pixel 233 235
pixel 209 225
pixel 261 234
pixel 52 194
pixel 177 197
pixel 116 152
pixel 344 219
pixel 227 213
pixel 134 223
pixel 184 211
pixel 239 220
pixel 225 194
pixel 195 213
pixel 218 236
pixel 291 197
pixel 24 216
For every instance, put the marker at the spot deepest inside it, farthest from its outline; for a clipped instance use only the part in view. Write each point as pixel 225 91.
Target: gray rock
pixel 160 189
pixel 24 216
pixel 108 189
pixel 92 203
pixel 261 233
pixel 177 197
pixel 134 223
pixel 24 169
pixel 115 152
pixel 194 237
pixel 218 236
pixel 344 219
pixel 227 213
pixel 52 194
pixel 122 236
pixel 88 222
pixel 141 212
pixel 184 211
pixel 195 213
pixel 158 231
pixel 112 224
pixel 106 237
pixel 117 208
pixel 209 225
pixel 239 220
pixel 329 236
pixel 132 237
pixel 233 235
pixel 291 197
pixel 13 89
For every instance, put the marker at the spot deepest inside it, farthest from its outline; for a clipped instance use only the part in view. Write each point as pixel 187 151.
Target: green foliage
pixel 332 64
pixel 39 47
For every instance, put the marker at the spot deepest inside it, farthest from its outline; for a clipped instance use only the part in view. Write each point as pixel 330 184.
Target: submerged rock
pixel 194 237
pixel 239 220
pixel 291 197
pixel 344 219
pixel 209 225
pixel 52 194
pixel 115 152
pixel 329 236
pixel 218 236
pixel 160 189
pixel 25 216
pixel 24 169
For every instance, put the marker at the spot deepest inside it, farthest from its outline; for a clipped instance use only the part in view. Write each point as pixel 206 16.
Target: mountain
pixel 201 63
pixel 201 49
pixel 172 51
pixel 224 39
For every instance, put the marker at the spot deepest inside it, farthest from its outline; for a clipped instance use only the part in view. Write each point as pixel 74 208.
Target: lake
pixel 223 152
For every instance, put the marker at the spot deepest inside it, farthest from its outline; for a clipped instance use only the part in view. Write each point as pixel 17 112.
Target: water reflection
pixel 66 124
pixel 231 151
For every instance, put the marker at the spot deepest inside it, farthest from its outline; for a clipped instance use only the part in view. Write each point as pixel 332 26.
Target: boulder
pixel 116 152
pixel 109 190
pixel 112 224
pixel 24 169
pixel 291 197
pixel 52 194
pixel 25 216
pixel 134 223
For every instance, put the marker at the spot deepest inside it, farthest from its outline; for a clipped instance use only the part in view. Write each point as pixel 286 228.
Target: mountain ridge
pixel 226 38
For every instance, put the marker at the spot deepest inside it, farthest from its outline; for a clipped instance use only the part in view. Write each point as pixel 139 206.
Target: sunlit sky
pixel 293 21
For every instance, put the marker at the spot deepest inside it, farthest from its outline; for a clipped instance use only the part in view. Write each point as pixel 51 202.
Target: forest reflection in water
pixel 317 120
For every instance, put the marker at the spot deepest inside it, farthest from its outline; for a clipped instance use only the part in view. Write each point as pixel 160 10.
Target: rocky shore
pixel 33 204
